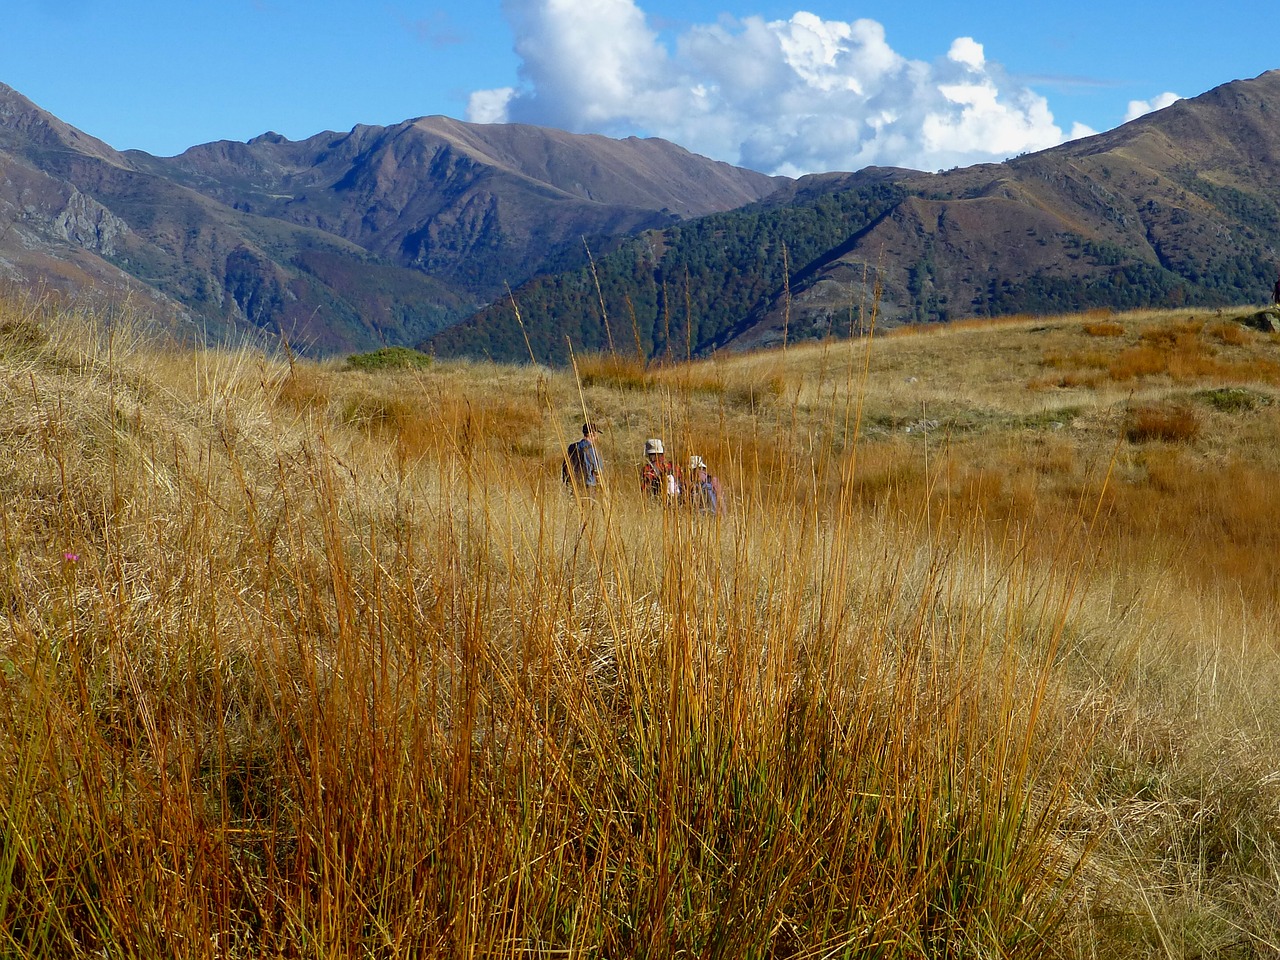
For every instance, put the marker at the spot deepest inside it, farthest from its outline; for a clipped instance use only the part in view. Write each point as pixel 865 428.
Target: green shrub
pixel 390 358
pixel 1232 399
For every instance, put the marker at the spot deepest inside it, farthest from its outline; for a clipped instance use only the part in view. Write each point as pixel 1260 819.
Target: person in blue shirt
pixel 702 489
pixel 582 462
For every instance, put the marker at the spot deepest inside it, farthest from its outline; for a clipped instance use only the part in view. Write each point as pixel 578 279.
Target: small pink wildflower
pixel 71 557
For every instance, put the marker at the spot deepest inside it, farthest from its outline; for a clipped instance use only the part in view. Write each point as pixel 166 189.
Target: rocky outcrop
pixel 1268 320
pixel 87 223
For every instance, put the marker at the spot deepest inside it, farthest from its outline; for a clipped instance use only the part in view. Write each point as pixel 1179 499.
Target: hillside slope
pixel 475 205
pixel 976 658
pixel 1179 207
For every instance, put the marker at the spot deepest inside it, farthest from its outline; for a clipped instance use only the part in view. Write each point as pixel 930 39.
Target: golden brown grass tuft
pixel 1145 360
pixel 1168 423
pixel 619 371
pixel 1232 334
pixel 1104 328
pixel 1183 350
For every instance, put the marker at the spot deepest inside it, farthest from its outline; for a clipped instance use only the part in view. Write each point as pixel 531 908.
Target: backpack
pixel 572 466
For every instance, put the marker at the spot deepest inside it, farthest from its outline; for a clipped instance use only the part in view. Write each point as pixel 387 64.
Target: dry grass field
pixel 980 660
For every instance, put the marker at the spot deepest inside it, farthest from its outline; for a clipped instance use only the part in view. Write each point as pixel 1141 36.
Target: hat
pixel 652 446
pixel 697 463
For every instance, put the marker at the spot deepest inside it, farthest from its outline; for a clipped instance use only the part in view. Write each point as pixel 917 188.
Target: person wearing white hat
pixel 658 476
pixel 701 488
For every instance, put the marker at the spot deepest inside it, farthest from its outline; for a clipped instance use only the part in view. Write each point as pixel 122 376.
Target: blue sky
pixel 789 87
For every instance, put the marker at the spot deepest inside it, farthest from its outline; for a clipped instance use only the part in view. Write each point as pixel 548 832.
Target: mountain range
pixel 343 241
pixel 434 232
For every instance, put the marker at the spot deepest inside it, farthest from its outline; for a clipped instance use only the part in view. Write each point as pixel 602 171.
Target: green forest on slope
pixel 672 293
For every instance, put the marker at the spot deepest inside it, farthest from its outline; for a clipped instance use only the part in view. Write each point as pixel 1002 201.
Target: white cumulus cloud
pixel 1138 108
pixel 489 106
pixel 785 96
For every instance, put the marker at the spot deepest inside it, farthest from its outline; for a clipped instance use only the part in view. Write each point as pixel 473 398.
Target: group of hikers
pixel 660 478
